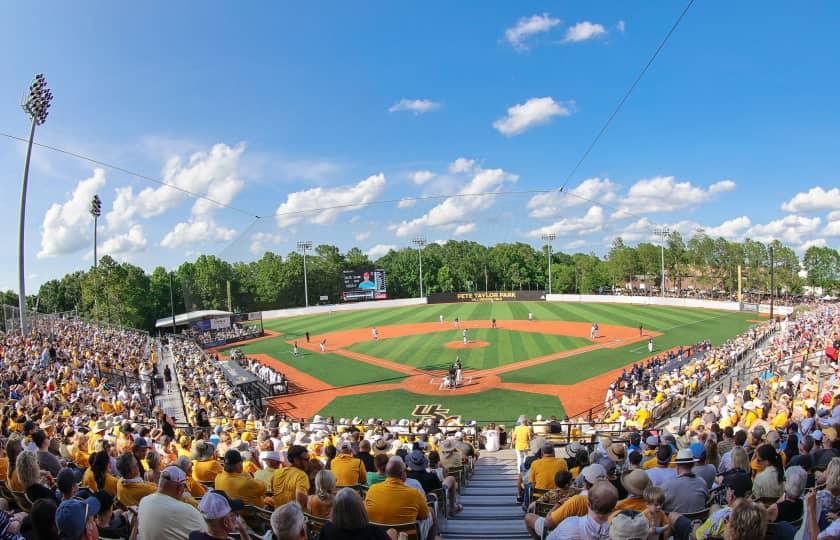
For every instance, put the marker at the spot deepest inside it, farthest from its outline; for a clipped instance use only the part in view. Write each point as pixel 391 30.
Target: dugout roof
pixel 187 318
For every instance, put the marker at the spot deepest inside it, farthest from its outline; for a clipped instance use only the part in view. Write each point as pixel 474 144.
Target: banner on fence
pixel 492 296
pixel 217 323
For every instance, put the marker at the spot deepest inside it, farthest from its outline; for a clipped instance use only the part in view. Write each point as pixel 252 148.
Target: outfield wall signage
pixel 492 296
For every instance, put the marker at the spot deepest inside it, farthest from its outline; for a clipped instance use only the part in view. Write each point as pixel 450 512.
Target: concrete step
pixel 471 491
pixel 499 529
pixel 490 512
pixel 492 484
pixel 487 500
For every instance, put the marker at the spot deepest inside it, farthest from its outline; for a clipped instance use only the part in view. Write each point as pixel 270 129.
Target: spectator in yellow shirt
pixel 97 477
pixel 205 466
pixel 347 469
pixel 271 462
pixel 238 484
pixel 521 436
pixel 131 488
pixel 195 487
pixel 292 483
pixel 577 505
pixel 543 470
pixel 392 502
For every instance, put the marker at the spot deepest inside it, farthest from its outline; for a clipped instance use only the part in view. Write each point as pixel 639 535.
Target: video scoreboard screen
pixel 360 285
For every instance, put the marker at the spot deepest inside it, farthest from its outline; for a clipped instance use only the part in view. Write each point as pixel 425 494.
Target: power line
pixel 626 95
pixel 133 173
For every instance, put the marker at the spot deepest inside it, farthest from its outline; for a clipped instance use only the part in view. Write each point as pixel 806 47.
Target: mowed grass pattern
pixel 428 351
pixel 330 368
pixel 494 405
pixel 682 328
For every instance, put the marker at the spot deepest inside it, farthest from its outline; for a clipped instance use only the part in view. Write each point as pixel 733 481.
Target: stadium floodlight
pixel 95 211
pixel 36 104
pixel 303 245
pixel 420 242
pixel 663 233
pixel 549 238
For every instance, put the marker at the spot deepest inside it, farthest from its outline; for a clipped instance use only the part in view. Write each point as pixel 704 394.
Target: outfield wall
pixel 662 301
pixel 354 306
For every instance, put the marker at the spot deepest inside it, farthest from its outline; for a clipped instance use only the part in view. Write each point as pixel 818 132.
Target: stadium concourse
pixel 87 449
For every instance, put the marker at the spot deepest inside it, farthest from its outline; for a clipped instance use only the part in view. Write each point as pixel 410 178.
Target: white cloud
pixel 534 112
pixel 665 194
pixel 575 244
pixel 544 205
pixel 592 221
pixel 406 203
pixel 463 229
pixel 421 177
pixel 832 228
pixel 620 26
pixel 816 242
pixel 462 165
pixel 583 31
pixel 214 174
pixel 198 230
pixel 731 228
pixel 322 205
pixel 455 211
pixel 261 241
pixel 815 198
pixel 379 250
pixel 527 27
pixel 364 235
pixel 68 226
pixel 417 106
pixel 790 229
pixel 638 231
pixel 125 244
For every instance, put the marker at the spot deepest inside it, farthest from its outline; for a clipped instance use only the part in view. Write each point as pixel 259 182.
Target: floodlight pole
pixel 772 281
pixel 95 211
pixel 549 238
pixel 663 233
pixel 36 105
pixel 304 245
pixel 172 301
pixel 420 242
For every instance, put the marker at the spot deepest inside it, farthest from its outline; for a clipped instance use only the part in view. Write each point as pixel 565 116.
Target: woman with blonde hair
pixel 829 497
pixel 747 521
pixel 321 503
pixel 30 476
pixel 155 461
pixel 740 459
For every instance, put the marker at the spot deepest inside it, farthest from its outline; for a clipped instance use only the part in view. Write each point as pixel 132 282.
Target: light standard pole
pixel 772 280
pixel 549 237
pixel 663 234
pixel 95 211
pixel 303 245
pixel 36 105
pixel 420 242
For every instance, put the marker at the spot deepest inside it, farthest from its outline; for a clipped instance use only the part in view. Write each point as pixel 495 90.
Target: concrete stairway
pixel 489 501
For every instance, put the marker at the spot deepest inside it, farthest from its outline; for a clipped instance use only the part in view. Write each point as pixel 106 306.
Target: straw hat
pixel 617 452
pixel 635 481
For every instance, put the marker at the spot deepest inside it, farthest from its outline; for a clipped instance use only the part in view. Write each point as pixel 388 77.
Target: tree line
pixel 124 293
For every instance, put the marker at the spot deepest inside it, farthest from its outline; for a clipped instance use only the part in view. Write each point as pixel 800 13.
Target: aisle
pixel 170 401
pixel 489 500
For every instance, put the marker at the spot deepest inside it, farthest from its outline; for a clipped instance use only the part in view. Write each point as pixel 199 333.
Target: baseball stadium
pixel 419 271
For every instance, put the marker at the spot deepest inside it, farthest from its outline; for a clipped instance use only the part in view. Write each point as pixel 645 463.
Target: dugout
pixel 214 328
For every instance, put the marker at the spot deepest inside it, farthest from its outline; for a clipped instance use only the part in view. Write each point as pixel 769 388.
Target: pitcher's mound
pixel 473 344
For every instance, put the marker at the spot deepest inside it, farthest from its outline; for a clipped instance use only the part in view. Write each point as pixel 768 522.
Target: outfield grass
pixel 506 406
pixel 715 326
pixel 330 368
pixel 427 351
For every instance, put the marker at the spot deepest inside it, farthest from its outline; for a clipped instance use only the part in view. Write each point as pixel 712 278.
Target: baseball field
pixel 549 365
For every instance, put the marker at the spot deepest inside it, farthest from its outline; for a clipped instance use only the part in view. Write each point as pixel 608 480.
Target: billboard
pixel 491 296
pixel 360 285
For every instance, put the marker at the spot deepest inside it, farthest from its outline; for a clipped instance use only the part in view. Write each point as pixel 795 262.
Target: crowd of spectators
pixel 236 332
pixel 762 461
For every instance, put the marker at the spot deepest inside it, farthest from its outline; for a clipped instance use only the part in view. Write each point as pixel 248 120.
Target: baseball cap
pixel 233 457
pixel 593 473
pixel 344 446
pixel 216 504
pixel 65 480
pixel 270 455
pixel 140 442
pixel 174 474
pixel 698 450
pixel 72 515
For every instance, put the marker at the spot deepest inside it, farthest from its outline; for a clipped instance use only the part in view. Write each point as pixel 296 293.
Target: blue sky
pixel 281 108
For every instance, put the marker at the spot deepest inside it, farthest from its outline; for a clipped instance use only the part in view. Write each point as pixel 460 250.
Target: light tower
pixel 95 211
pixel 303 245
pixel 549 238
pixel 420 242
pixel 663 233
pixel 36 104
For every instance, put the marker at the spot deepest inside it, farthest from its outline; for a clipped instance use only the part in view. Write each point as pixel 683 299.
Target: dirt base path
pixel 317 394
